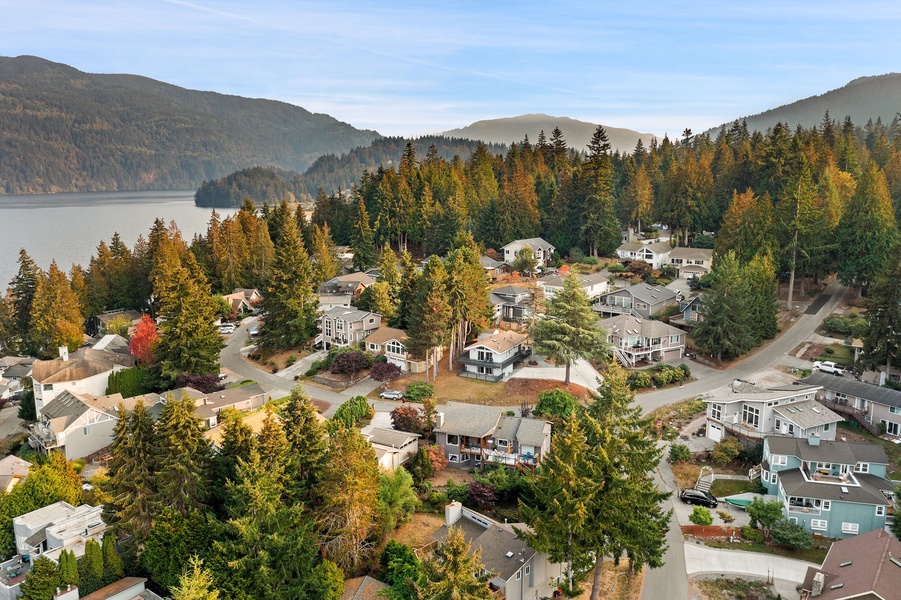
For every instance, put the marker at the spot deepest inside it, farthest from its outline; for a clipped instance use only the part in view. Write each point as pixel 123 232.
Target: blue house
pixel 833 489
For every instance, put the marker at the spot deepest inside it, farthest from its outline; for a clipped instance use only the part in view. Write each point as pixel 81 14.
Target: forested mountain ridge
pixel 578 133
pixel 876 97
pixel 65 130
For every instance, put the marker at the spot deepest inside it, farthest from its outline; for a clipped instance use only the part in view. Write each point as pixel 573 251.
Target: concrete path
pixel 788 572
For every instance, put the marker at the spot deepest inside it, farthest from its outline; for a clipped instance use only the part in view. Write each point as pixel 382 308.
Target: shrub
pixel 352 412
pixel 829 350
pixel 617 267
pixel 418 391
pixel 751 534
pixel 686 371
pixel 726 517
pixel 456 491
pixel 291 360
pixel 381 358
pixel 701 516
pixel 555 403
pixel 791 535
pixel 351 363
pixel 591 261
pixel 408 418
pixel 727 450
pixel 317 366
pixel 130 382
pixel 480 495
pixel 640 379
pixel 206 383
pixel 576 254
pixel 679 453
pixel 384 371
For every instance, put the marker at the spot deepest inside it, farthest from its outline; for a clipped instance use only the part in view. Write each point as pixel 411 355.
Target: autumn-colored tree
pixel 56 318
pixel 143 340
pixel 324 256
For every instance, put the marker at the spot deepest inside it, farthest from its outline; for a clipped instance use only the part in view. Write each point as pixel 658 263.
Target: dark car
pixel 693 496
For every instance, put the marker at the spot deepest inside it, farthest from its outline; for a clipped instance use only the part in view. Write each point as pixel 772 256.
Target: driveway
pixel 580 372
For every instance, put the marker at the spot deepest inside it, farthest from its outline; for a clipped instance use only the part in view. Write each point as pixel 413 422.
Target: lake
pixel 69 227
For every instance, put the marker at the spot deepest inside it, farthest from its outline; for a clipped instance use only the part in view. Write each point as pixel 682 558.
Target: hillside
pixel 576 133
pixel 863 99
pixel 65 130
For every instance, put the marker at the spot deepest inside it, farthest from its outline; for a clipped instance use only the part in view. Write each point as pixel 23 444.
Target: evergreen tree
pixel 638 198
pixel 867 230
pixel 748 228
pixel 289 297
pixel 759 276
pixel 454 573
pixel 600 230
pixel 325 258
pixel 430 313
pixel 184 455
pixel 42 581
pixel 196 583
pixel 397 499
pixel 306 436
pixel 132 473
pixel 568 331
pixel 882 341
pixel 237 442
pixel 362 239
pixel 273 445
pixel 173 540
pixel 56 318
pixel 725 330
pixel 113 566
pixel 90 568
pixel 470 306
pixel 517 206
pixel 22 291
pixel 377 298
pixel 68 568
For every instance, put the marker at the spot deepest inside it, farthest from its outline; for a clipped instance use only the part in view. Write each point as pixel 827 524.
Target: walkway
pixel 787 572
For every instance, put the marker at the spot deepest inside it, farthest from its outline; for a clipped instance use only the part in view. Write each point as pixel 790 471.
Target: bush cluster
pixel 751 534
pixel 352 412
pixel 851 325
pixel 417 391
pixel 658 376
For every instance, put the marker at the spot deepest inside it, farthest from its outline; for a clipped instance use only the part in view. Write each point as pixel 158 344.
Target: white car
pixel 828 367
pixel 227 329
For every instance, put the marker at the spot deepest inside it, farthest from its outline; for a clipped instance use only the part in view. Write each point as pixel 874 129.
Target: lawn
pixel 841 354
pixel 815 555
pixel 730 487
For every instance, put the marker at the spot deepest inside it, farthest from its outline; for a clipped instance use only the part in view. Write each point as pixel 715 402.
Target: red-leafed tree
pixel 143 340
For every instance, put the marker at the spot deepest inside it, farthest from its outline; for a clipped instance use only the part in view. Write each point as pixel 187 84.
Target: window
pixel 518 575
pixel 840 396
pixel 394 347
pixel 850 527
pixel 895 410
pixel 779 459
pixel 528 569
pixel 641 306
pixel 827 505
pixel 464 458
pixel 501 442
pixel 892 428
pixel 764 475
pixel 339 325
pixel 880 511
pixel 751 416
pixel 819 524
pixel 862 467
pixel 827 426
pixel 87 430
pixel 453 440
pixel 454 458
pixel 327 328
pixel 716 412
pixel 48 387
pixel 778 425
pixel 772 478
pixel 674 339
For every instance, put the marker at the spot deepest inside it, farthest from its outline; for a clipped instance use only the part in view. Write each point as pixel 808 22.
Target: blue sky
pixel 410 68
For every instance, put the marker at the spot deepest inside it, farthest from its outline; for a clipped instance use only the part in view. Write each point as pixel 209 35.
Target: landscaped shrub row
pixel 351 412
pixel 658 376
pixel 852 325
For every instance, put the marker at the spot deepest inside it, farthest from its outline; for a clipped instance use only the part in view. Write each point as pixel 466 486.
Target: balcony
pixel 614 309
pixel 490 363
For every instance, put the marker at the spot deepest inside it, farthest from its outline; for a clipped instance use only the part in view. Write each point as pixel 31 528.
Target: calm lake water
pixel 69 227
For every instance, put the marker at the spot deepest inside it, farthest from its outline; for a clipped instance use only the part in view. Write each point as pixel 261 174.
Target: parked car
pixel 255 331
pixel 699 497
pixel 828 367
pixel 227 328
pixel 392 395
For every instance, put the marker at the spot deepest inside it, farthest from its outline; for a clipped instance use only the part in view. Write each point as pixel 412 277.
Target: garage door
pixel 714 431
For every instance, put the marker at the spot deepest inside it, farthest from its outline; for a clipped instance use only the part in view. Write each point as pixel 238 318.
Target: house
pixel 866 566
pixel 519 572
pixel 543 251
pixel 208 406
pixel 472 435
pixel 639 300
pixel 329 301
pixel 128 588
pixel 244 300
pixel 13 470
pixel 833 489
pixel 512 304
pixel 392 447
pixel 346 326
pixel 593 284
pixel 872 406
pixel 352 283
pixel 101 322
pixel 637 340
pixel 362 588
pixel 9 361
pixel 752 412
pixel 691 262
pixel 655 254
pixel 390 343
pixel 86 371
pixel 14 376
pixel 492 356
pixel 492 267
pixel 78 425
pixel 692 313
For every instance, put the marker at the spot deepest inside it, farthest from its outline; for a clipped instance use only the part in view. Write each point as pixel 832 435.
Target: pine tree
pixel 184 455
pixel 600 230
pixel 882 341
pixel 362 239
pixel 273 445
pixel 325 258
pixel 725 330
pixel 196 583
pixel 377 298
pixel 56 318
pixel 568 332
pixel 132 473
pixel 68 568
pixel 748 228
pixel 173 540
pixel 90 568
pixel 471 309
pixel 759 276
pixel 22 290
pixel 237 442
pixel 289 297
pixel 113 567
pixel 454 574
pixel 306 436
pixel 430 313
pixel 42 581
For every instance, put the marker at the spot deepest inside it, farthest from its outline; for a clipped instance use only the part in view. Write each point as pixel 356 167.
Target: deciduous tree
pixel 143 340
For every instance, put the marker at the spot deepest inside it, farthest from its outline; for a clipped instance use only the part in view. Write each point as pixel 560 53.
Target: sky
pixel 414 68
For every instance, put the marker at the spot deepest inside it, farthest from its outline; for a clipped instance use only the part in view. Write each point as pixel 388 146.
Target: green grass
pixel 241 383
pixel 841 354
pixel 730 487
pixel 814 555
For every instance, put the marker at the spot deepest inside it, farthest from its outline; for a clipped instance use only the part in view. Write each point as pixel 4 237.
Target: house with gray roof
pixel 493 356
pixel 874 407
pixel 543 250
pixel 346 326
pixel 635 340
pixel 834 489
pixel 866 566
pixel 639 300
pixel 752 412
pixel 518 571
pixel 472 435
pixel 392 447
pixel 593 284
pixel 492 267
pixel 512 304
pixel 655 254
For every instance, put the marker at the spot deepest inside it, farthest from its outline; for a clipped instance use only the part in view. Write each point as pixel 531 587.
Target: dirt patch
pixel 279 360
pixel 439 478
pixel 617 582
pixel 530 388
pixel 418 532
pixel 710 531
pixel 321 405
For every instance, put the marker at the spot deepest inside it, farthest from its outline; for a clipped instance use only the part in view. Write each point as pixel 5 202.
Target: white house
pixel 655 254
pixel 492 356
pixel 593 284
pixel 392 447
pixel 543 251
pixel 390 342
pixel 690 262
pixel 86 371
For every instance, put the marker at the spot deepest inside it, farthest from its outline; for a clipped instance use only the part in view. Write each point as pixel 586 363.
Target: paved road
pixel 10 423
pixel 670 580
pixel 776 352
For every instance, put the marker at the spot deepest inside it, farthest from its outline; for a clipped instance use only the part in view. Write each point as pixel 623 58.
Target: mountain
pixel 576 133
pixel 862 99
pixel 65 130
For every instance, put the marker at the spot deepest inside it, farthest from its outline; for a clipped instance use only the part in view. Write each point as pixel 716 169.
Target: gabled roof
pixel 84 363
pixel 858 389
pixel 8 361
pixel 385 334
pixel 869 563
pixel 532 243
pixel 473 420
pixel 868 492
pixel 391 438
pixel 498 342
pixel 584 280
pixel 362 588
pixel 649 294
pixel 510 290
pixel 17 371
pixel 357 277
pixel 131 315
pixel 628 325
pixel 691 253
pixel 843 453
pixel 351 315
pixel 807 414
pixel 489 263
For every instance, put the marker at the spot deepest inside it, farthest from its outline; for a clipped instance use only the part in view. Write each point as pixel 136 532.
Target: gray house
pixel 512 304
pixel 872 406
pixel 493 356
pixel 639 300
pixel 833 489
pixel 634 340
pixel 346 326
pixel 472 435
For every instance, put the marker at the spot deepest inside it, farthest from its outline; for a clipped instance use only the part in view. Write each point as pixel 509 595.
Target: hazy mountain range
pixel 65 130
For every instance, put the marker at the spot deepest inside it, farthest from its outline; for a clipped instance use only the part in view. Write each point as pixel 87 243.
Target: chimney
pixel 439 420
pixel 819 582
pixel 64 352
pixel 813 440
pixel 452 513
